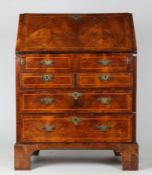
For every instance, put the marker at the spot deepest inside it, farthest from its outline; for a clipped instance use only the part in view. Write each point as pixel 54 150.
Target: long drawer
pixel 47 102
pixel 66 62
pixel 76 128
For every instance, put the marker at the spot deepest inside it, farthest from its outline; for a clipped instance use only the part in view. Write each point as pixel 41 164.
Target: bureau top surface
pixel 69 33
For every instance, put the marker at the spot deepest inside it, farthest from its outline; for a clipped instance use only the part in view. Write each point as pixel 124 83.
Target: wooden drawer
pixel 76 128
pixel 105 80
pixel 46 63
pixel 105 102
pixel 105 63
pixel 73 101
pixel 45 102
pixel 41 80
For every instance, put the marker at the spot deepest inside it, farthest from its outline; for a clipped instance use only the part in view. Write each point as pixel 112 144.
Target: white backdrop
pixel 142 11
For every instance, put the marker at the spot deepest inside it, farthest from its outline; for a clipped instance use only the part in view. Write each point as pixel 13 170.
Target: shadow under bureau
pixel 76 85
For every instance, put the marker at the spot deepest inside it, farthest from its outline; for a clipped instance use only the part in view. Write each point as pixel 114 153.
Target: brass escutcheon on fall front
pixel 75 16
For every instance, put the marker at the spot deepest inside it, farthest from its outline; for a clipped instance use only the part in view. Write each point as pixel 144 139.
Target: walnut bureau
pixel 76 85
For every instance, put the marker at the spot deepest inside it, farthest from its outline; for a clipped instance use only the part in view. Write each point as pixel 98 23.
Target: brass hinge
pixel 23 61
pixel 128 60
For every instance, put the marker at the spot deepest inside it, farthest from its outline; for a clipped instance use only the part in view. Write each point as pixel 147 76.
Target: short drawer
pixel 49 80
pixel 46 63
pixel 107 102
pixel 105 80
pixel 105 63
pixel 75 101
pixel 76 128
pixel 45 102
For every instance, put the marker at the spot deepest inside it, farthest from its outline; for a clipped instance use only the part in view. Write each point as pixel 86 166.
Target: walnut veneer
pixel 76 85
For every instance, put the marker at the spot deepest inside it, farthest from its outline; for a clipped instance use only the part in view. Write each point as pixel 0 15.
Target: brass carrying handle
pixel 75 120
pixel 105 77
pixel 76 95
pixel 47 77
pixel 104 62
pixel 47 63
pixel 104 100
pixel 104 128
pixel 48 128
pixel 47 101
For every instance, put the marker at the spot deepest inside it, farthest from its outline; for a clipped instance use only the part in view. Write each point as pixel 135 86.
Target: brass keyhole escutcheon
pixel 75 16
pixel 47 77
pixel 105 77
pixel 75 120
pixel 76 95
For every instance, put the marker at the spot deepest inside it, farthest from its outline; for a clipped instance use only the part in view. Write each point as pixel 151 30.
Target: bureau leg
pixel 116 153
pixel 23 155
pixel 130 157
pixel 36 153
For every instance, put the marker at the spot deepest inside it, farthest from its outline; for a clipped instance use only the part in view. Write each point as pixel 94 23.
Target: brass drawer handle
pixel 104 100
pixel 47 101
pixel 105 62
pixel 104 128
pixel 105 77
pixel 47 78
pixel 76 95
pixel 75 120
pixel 47 62
pixel 48 128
